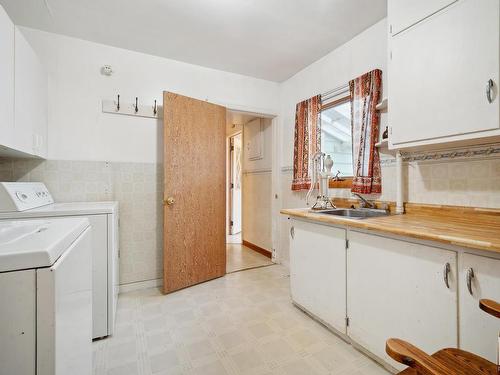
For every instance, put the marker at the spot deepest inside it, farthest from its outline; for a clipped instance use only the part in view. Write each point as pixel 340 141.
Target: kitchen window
pixel 336 137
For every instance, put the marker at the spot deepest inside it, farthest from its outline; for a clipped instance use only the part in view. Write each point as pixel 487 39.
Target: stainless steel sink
pixel 353 213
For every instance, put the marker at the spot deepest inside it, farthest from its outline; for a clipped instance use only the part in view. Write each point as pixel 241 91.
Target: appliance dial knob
pixel 21 196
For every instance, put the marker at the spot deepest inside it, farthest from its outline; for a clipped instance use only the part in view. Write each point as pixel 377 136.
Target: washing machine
pixel 46 297
pixel 32 200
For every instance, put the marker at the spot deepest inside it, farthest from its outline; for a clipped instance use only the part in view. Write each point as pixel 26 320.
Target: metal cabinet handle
pixel 292 232
pixel 446 272
pixel 489 89
pixel 470 276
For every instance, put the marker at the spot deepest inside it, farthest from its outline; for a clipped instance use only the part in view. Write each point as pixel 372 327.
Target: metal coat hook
pixel 118 103
pixel 136 106
pixel 155 110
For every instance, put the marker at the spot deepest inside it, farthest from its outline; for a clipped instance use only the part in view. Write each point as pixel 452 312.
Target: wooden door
pixel 479 330
pixel 397 289
pixel 318 272
pixel 194 248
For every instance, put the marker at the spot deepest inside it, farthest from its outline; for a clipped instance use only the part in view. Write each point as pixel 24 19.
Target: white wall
pixel 96 156
pixel 257 191
pixel 78 130
pixel 365 52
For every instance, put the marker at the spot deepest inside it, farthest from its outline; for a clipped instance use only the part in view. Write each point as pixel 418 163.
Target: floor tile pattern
pixel 240 257
pixel 242 323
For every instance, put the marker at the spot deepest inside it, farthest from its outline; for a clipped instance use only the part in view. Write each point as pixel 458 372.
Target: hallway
pixel 240 257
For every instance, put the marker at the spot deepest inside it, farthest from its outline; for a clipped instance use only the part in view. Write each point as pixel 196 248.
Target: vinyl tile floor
pixel 240 257
pixel 243 323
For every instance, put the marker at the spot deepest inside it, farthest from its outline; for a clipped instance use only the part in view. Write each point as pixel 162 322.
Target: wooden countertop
pixel 460 226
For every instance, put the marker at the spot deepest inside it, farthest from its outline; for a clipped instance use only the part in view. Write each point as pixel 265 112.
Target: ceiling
pixel 269 39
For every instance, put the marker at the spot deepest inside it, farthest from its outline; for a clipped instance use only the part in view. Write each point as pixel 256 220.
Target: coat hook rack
pixel 131 109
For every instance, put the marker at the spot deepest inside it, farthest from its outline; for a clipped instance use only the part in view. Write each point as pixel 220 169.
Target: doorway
pixel 249 213
pixel 235 175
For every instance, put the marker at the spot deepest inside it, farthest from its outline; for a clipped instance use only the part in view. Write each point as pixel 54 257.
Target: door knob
pixel 169 201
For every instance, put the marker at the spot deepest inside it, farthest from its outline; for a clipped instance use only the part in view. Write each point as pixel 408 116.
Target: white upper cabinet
pixel 479 330
pixel 405 13
pixel 31 105
pixel 317 271
pixel 402 290
pixel 6 80
pixel 439 74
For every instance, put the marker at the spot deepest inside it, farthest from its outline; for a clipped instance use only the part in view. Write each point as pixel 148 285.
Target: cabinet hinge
pixel 390 29
pixel 231 223
pixel 232 148
pixel 346 244
pixel 347 321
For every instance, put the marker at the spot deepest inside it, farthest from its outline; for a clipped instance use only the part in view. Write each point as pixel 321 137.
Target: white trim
pixel 258 171
pixel 458 153
pixel 139 285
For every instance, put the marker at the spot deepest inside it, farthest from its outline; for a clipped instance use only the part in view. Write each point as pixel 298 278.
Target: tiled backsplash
pixel 469 181
pixel 136 186
pixel 458 182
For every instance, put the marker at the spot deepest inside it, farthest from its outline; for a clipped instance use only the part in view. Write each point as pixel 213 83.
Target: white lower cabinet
pixel 397 289
pixel 478 330
pixel 317 271
pixel 389 287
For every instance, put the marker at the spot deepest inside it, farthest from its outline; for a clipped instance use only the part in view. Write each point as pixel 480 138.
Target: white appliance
pixel 46 297
pixel 32 200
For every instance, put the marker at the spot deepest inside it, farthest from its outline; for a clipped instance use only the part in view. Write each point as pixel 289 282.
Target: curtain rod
pixel 336 91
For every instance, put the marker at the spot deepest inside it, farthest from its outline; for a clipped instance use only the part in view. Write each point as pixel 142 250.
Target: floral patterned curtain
pixel 307 141
pixel 365 119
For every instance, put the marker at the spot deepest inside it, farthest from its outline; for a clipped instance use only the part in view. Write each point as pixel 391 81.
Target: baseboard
pixel 258 249
pixel 138 285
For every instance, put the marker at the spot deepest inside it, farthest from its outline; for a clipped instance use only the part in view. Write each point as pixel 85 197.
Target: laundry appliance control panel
pixel 22 196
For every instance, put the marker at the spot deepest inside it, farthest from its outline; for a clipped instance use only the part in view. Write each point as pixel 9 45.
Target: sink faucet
pixel 364 203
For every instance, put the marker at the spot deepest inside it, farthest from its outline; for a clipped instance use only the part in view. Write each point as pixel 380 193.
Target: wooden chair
pixel 446 361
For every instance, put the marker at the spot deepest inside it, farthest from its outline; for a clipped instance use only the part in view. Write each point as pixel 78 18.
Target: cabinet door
pixel 397 289
pixel 479 330
pixel 405 13
pixel 317 271
pixel 439 72
pixel 17 322
pixel 7 80
pixel 30 99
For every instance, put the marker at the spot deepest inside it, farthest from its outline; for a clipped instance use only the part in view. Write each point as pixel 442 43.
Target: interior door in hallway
pixel 236 183
pixel 194 150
